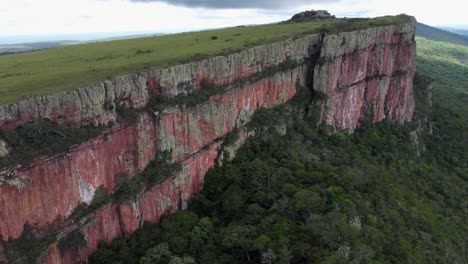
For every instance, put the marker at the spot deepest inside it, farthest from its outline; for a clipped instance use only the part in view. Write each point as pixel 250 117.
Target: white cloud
pixel 49 17
pixel 85 16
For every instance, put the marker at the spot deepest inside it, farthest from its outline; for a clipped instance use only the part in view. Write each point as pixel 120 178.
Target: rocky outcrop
pixel 367 74
pixel 362 75
pixel 312 15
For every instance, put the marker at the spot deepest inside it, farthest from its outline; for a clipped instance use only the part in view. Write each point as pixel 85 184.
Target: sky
pixel 41 20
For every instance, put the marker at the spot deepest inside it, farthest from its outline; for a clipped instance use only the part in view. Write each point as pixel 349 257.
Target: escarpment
pixel 367 75
pixel 360 75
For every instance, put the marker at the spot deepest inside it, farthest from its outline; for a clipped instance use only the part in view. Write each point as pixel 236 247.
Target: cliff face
pixel 367 75
pixel 117 220
pixel 364 75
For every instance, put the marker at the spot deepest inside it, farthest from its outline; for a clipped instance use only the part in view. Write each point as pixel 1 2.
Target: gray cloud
pixel 237 4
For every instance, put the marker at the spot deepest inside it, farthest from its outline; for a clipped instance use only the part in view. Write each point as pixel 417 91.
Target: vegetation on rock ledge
pixel 42 137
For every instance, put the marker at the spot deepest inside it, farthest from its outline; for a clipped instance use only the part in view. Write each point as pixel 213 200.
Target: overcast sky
pixel 39 20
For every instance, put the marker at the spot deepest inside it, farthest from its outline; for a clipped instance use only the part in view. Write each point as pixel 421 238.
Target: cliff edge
pixel 104 188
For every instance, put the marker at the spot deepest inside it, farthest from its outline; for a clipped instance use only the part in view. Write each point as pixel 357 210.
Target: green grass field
pixel 67 68
pixel 437 34
pixel 447 64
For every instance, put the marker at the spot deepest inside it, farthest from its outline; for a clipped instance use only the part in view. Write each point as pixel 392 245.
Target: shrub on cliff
pixel 27 247
pixel 155 172
pixel 43 137
pixel 72 242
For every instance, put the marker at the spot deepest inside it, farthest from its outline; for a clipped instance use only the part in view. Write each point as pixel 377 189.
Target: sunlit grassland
pixel 447 64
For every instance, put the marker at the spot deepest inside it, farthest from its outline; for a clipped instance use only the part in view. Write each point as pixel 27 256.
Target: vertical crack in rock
pixel 316 51
pixel 120 219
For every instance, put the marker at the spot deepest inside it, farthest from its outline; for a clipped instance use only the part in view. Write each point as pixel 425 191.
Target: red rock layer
pixel 367 75
pixel 48 187
pixel 119 220
pixel 186 131
pixel 54 186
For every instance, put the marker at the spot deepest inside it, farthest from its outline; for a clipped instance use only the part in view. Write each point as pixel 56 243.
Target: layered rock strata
pixel 362 75
pixel 52 187
pixel 367 74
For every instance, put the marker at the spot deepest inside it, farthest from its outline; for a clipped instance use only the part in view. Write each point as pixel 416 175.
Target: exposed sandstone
pixel 53 186
pixel 367 74
pixel 119 220
pixel 364 74
pixel 185 131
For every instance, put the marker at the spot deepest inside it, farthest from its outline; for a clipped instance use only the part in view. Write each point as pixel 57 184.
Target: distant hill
pixel 432 33
pixel 459 31
pixel 24 47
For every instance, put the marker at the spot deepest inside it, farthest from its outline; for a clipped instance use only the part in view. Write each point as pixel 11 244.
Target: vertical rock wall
pixel 367 75
pixel 37 193
pixel 52 187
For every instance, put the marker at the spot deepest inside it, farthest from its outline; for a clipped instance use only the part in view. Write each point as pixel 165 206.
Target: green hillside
pixel 432 33
pixel 71 67
pixel 447 64
pixel 311 198
pixel 24 47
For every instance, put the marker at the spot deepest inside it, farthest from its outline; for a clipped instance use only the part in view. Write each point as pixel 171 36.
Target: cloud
pixel 238 4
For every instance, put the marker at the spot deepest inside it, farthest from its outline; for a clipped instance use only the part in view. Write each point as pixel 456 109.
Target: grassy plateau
pixel 67 68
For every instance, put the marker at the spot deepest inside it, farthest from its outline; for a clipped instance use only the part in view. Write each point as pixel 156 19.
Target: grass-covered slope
pixel 24 47
pixel 311 198
pixel 437 34
pixel 447 64
pixel 66 68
